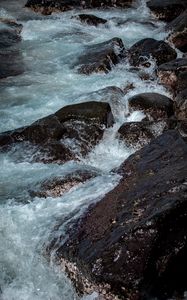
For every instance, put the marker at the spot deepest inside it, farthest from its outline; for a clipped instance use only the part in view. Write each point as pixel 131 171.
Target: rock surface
pixel 58 186
pixel 132 244
pixel 101 57
pixel 154 105
pixel 49 6
pixel 178 35
pixel 180 105
pixel 72 130
pixel 144 49
pixel 139 134
pixel 167 10
pixel 90 19
pixel 174 74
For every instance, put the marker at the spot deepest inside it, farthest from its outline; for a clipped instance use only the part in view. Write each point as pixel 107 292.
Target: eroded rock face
pixel 132 244
pixel 90 19
pixel 154 105
pixel 101 57
pixel 167 10
pixel 139 134
pixel 174 74
pixel 178 28
pixel 58 186
pixel 74 128
pixel 148 48
pixel 49 6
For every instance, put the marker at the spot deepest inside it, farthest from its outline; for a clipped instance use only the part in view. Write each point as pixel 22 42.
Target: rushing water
pixel 49 46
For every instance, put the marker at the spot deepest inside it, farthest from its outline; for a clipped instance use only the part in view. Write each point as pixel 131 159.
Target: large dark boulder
pixel 167 10
pixel 148 48
pixel 178 35
pixel 90 19
pixel 132 244
pixel 72 130
pixel 49 6
pixel 100 57
pixel 174 74
pixel 154 105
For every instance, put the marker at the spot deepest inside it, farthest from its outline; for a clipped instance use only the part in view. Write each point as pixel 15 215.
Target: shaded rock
pixel 174 74
pixel 11 23
pixel 167 10
pixel 155 106
pixel 72 130
pixel 58 186
pixel 132 244
pixel 101 57
pixel 139 134
pixel 180 105
pixel 49 6
pixel 8 38
pixel 148 48
pixel 178 35
pixel 90 19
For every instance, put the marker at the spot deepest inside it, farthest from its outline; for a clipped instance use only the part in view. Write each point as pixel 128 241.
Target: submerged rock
pixel 72 130
pixel 58 186
pixel 49 6
pixel 178 35
pixel 132 244
pixel 154 105
pixel 167 10
pixel 11 62
pixel 174 74
pixel 148 48
pixel 90 19
pixel 101 57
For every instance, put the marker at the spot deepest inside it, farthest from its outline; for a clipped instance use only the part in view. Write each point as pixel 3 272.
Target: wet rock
pixel 71 131
pixel 132 244
pixel 174 74
pixel 101 57
pixel 154 105
pixel 167 10
pixel 178 35
pixel 139 134
pixel 90 19
pixel 49 6
pixel 148 48
pixel 11 23
pixel 180 105
pixel 58 186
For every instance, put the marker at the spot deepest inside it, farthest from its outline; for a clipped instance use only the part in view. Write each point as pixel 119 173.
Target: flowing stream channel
pixel 49 46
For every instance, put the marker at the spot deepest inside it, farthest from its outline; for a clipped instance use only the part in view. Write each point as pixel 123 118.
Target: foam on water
pixel 49 47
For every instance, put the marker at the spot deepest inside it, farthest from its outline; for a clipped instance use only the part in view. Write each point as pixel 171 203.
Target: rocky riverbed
pixel 93 149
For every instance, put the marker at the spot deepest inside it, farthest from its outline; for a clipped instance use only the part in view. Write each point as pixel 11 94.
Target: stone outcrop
pixel 180 105
pixel 132 244
pixel 143 50
pixel 100 58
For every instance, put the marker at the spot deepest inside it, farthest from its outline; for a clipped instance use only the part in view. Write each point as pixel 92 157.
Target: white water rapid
pixel 49 46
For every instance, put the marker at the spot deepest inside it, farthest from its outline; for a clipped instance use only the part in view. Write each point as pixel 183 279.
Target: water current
pixel 49 46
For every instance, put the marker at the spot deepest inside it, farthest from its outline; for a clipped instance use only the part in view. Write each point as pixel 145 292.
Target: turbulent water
pixel 49 46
